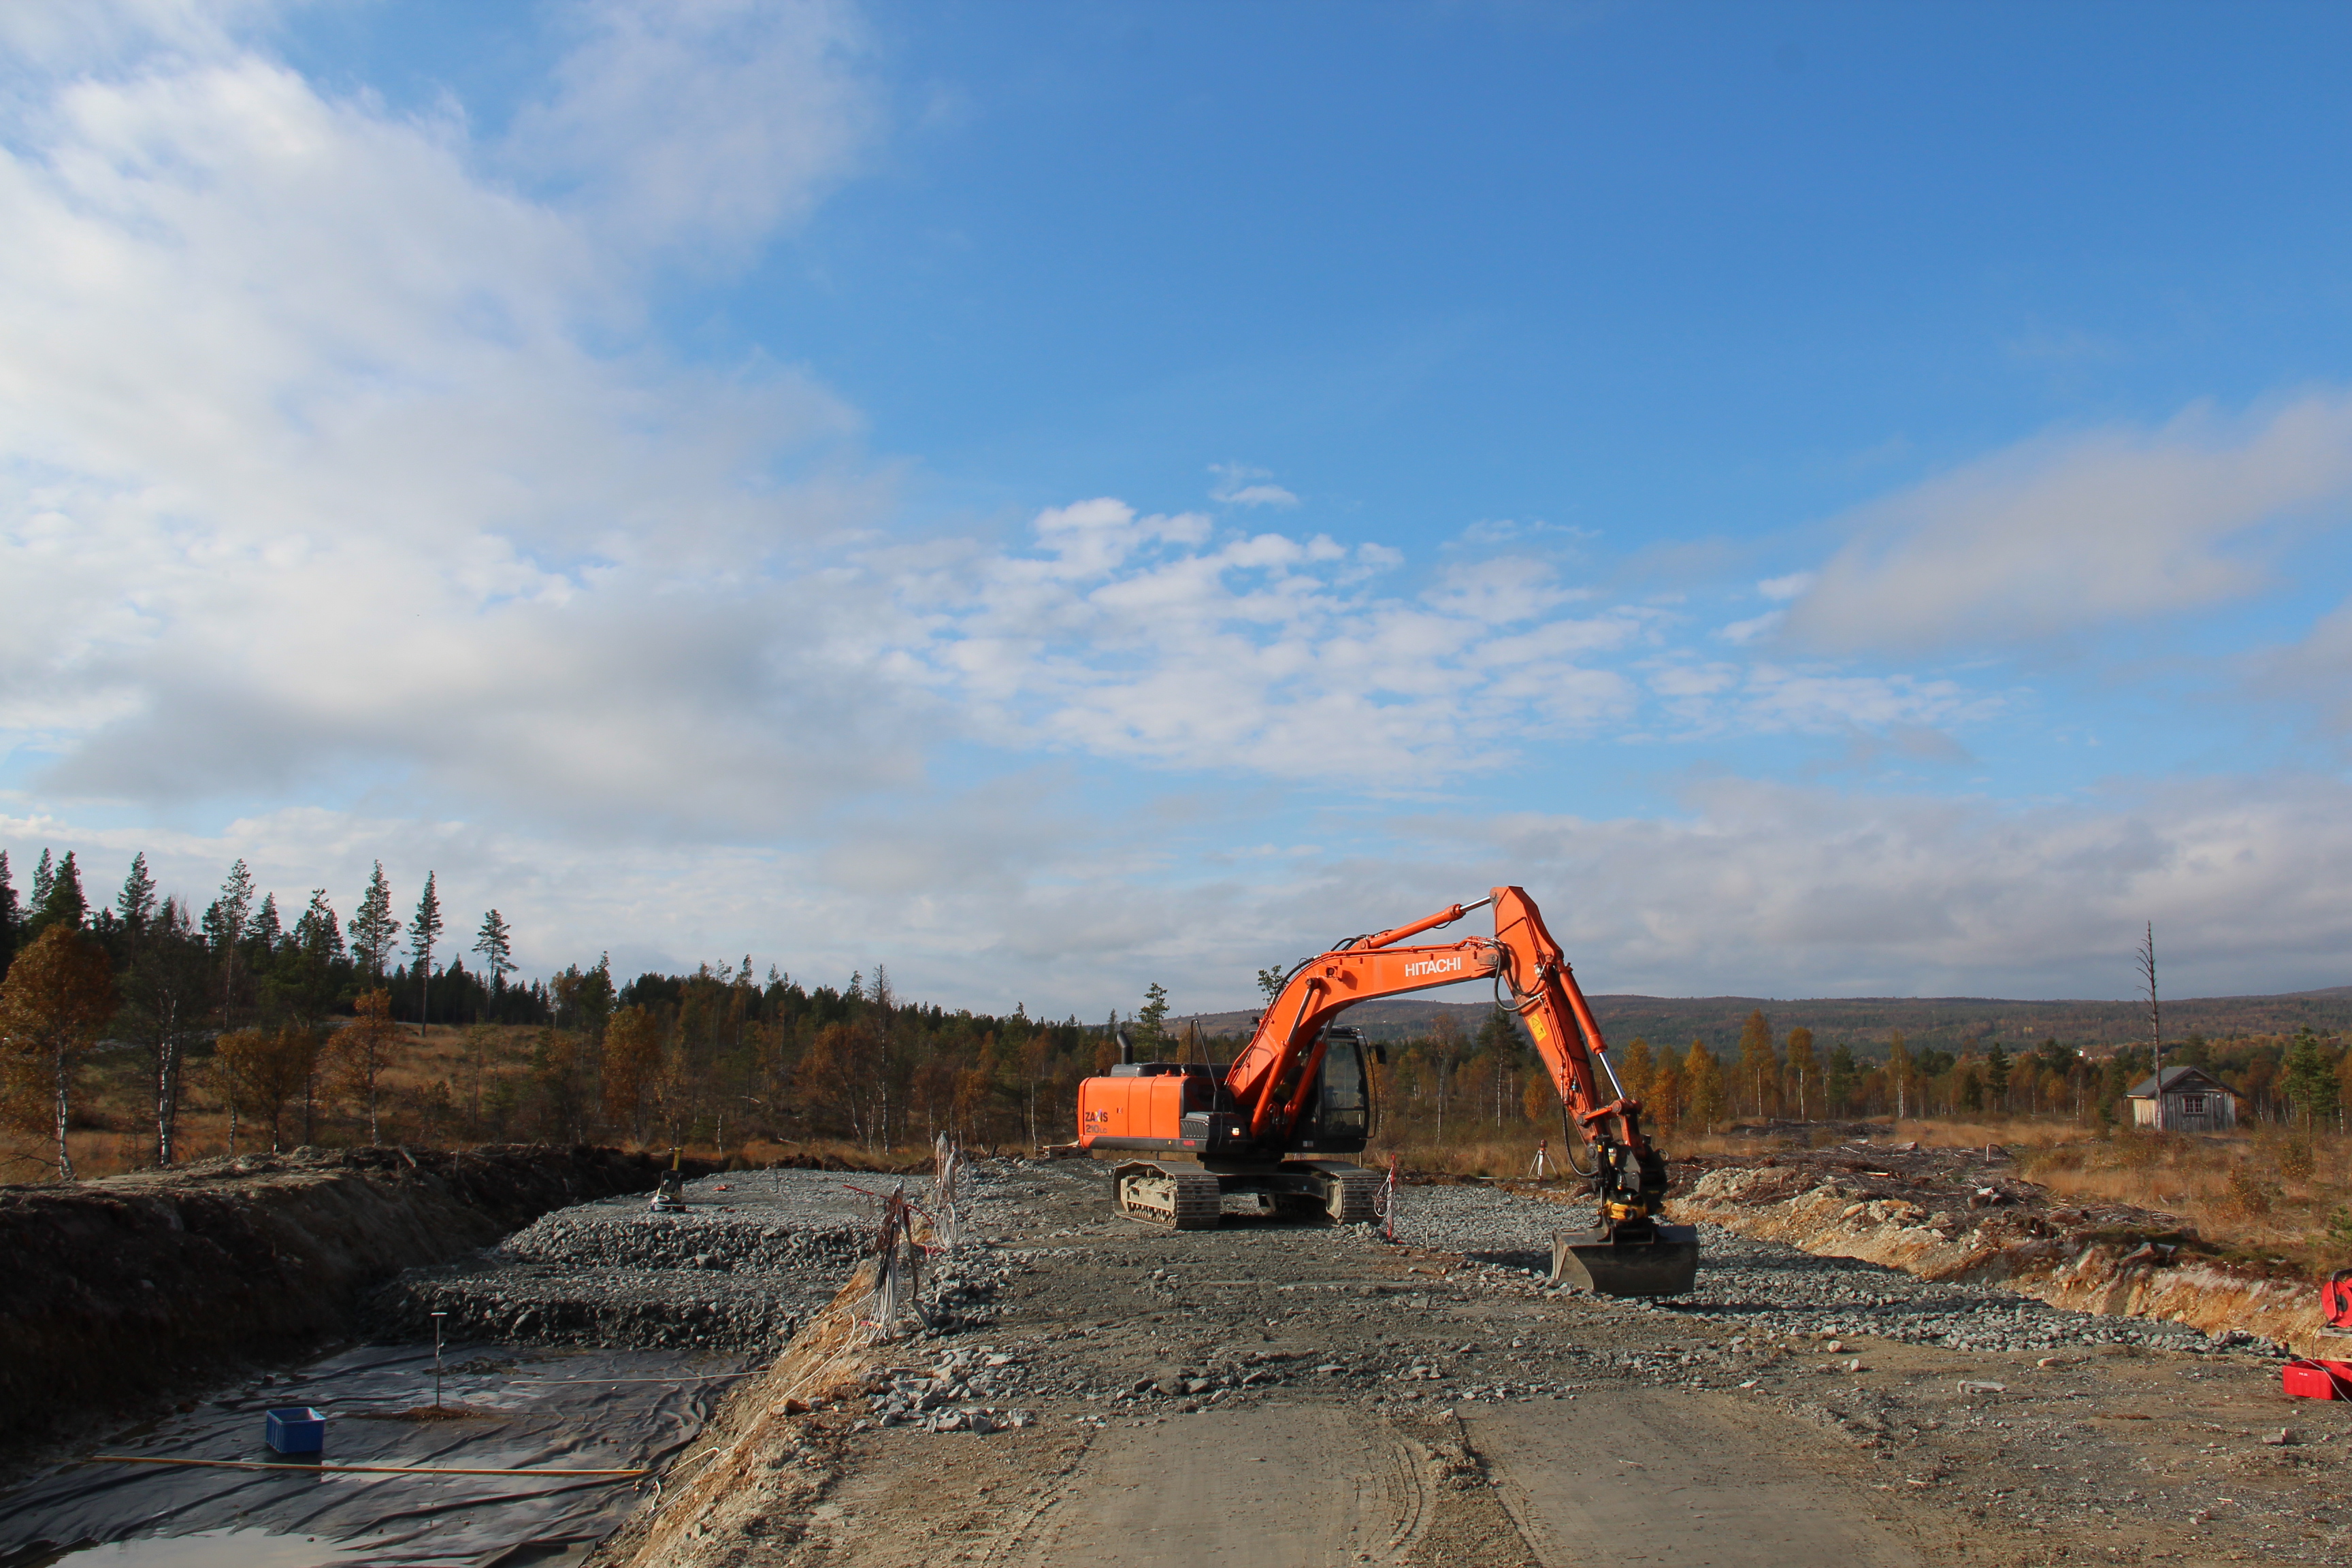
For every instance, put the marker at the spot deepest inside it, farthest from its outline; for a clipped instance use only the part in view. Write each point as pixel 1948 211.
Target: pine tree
pixel 1152 1022
pixel 318 932
pixel 61 900
pixel 494 942
pixel 44 877
pixel 1838 1089
pixel 1995 1074
pixel 136 903
pixel 265 931
pixel 2310 1079
pixel 423 933
pixel 11 918
pixel 235 901
pixel 224 929
pixel 373 927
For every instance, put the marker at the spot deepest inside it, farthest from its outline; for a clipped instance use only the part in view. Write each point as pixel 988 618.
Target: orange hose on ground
pixel 315 1469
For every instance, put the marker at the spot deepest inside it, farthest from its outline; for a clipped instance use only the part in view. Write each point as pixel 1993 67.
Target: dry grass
pixel 2258 1192
pixel 115 1095
pixel 2261 1190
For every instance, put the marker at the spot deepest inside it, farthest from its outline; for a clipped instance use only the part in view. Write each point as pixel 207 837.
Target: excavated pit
pixel 123 1294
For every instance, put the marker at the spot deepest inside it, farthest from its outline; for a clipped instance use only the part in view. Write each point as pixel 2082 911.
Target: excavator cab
pixel 1337 1118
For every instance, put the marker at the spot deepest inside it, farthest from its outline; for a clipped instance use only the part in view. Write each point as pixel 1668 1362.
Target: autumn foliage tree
pixel 364 1049
pixel 1759 1069
pixel 1667 1098
pixel 58 995
pixel 1706 1102
pixel 266 1068
pixel 632 1066
pixel 1804 1072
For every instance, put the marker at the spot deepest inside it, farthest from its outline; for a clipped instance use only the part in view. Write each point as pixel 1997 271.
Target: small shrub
pixel 2062 1158
pixel 2249 1194
pixel 2296 1159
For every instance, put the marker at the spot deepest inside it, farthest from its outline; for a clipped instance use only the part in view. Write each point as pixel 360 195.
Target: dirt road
pixel 1278 1395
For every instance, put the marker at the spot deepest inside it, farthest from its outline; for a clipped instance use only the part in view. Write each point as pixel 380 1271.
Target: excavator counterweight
pixel 1279 1120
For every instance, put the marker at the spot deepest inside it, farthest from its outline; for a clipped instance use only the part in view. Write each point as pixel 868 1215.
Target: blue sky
pixel 1833 498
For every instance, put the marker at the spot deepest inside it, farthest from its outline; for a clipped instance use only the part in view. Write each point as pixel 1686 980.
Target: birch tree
pixel 58 995
pixel 364 1048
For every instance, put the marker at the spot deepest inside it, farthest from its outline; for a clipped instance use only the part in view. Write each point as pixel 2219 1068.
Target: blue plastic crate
pixel 296 1430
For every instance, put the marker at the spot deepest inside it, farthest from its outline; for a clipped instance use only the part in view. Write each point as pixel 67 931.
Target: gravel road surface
pixel 1294 1394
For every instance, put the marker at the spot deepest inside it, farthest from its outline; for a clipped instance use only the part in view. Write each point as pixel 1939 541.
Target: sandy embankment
pixel 2021 1241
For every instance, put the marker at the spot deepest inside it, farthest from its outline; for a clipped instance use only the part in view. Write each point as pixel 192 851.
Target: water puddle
pixel 208 1549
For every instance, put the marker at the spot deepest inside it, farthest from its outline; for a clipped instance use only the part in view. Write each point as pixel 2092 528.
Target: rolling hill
pixel 1865 1023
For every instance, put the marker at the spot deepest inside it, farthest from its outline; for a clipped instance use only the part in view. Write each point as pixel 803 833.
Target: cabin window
pixel 2192 1105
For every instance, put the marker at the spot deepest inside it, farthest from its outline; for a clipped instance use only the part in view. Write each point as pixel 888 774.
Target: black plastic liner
pixel 541 1410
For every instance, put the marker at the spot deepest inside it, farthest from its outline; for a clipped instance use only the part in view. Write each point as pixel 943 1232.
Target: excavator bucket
pixel 1665 1266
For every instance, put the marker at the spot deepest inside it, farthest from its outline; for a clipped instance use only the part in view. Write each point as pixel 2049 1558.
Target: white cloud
pixel 1776 699
pixel 2061 535
pixel 1013 892
pixel 307 466
pixel 2315 669
pixel 1784 588
pixel 1238 484
pixel 697 123
pixel 1777 891
pixel 1748 630
pixel 1142 637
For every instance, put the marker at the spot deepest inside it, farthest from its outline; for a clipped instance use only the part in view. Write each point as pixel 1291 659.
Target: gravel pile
pixel 598 1236
pixel 1768 1287
pixel 612 1308
pixel 1771 1289
pixel 950 1396
pixel 753 1256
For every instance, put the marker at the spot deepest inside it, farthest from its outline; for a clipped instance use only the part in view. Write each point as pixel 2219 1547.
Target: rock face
pixel 126 1287
pixel 1986 1228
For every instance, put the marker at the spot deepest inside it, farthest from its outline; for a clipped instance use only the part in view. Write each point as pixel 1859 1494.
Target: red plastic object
pixel 2336 1298
pixel 2318 1379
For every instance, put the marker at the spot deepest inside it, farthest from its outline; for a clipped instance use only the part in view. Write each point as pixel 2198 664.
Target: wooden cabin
pixel 2192 1100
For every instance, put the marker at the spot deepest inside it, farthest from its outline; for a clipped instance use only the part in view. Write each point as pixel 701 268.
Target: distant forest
pixel 300 1024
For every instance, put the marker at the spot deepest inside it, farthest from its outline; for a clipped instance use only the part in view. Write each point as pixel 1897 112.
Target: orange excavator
pixel 1280 1119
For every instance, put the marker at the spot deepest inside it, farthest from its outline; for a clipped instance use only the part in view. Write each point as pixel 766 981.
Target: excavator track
pixel 1359 1198
pixel 1171 1200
